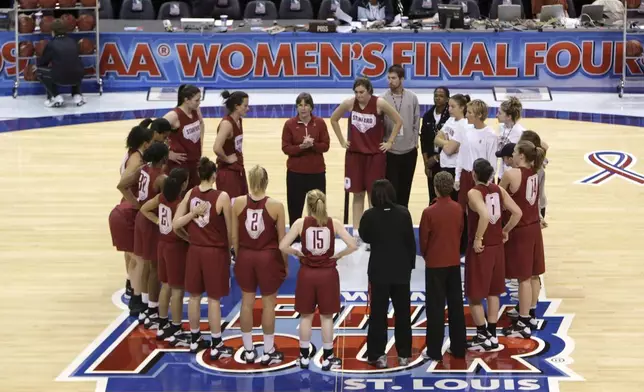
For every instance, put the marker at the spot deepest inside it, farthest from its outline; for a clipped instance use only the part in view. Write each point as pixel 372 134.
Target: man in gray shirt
pixel 401 159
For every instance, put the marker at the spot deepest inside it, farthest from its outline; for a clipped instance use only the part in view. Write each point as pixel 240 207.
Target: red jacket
pixel 310 160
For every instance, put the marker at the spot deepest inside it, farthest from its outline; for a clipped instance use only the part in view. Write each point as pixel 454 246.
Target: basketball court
pixel 66 329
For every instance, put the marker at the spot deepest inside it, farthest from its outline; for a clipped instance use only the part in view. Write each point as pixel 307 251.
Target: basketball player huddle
pixel 501 223
pixel 184 219
pixel 504 214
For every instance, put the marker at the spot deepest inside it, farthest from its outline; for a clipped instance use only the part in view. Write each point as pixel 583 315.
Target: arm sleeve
pixel 410 238
pixel 287 142
pixel 460 160
pixel 491 150
pixel 322 145
pixel 389 11
pixel 423 232
pixel 366 229
pixel 423 136
pixel 542 188
pixel 47 55
pixel 416 125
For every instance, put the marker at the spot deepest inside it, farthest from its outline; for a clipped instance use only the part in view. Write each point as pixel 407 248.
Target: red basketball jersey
pixel 209 229
pixel 527 197
pixel 318 243
pixel 187 139
pixel 147 178
pixel 366 128
pixel 166 212
pixel 233 146
pixel 256 226
pixel 134 188
pixel 492 197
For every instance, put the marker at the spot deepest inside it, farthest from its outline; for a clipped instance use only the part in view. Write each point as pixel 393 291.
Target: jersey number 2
pixel 165 219
pixel 254 223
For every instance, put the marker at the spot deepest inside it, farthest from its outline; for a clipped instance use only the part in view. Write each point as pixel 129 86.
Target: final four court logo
pixel 127 357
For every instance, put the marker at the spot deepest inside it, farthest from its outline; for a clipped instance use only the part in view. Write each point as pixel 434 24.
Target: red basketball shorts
pixel 524 256
pixel 191 167
pixel 260 268
pixel 466 183
pixel 232 182
pixel 172 262
pixel 121 222
pixel 484 272
pixel 317 287
pixel 362 170
pixel 146 238
pixel 208 270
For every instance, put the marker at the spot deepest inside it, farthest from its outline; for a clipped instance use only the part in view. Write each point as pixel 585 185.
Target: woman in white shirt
pixel 478 141
pixel 509 128
pixel 450 136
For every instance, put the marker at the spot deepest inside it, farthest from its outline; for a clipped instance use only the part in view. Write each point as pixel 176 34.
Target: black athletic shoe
pixel 249 356
pixel 170 330
pixel 273 358
pixel 303 362
pixel 153 320
pixel 331 362
pixel 220 351
pixel 518 330
pixel 136 306
pixel 200 344
pixel 479 343
pixel 128 289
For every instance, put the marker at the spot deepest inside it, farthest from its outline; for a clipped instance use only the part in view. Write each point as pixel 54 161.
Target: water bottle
pixel 38 20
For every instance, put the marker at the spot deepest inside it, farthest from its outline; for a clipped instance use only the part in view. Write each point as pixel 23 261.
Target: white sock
pixel 153 304
pixel 247 338
pixel 304 344
pixel 268 343
pixel 327 346
pixel 145 297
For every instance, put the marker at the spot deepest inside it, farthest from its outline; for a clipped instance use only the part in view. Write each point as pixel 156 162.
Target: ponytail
pixel 206 169
pixel 539 159
pixel 532 154
pixel 186 92
pixel 139 135
pixel 462 100
pixel 173 184
pixel 257 179
pixel 316 205
pixel 145 123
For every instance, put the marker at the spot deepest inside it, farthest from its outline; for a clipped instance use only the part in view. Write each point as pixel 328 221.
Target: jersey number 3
pixel 493 204
pixel 254 223
pixel 318 240
pixel 144 185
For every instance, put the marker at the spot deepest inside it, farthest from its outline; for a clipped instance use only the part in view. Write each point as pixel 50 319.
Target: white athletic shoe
pixel 79 100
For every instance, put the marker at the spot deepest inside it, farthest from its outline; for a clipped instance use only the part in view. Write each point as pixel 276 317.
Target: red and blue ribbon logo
pixel 612 163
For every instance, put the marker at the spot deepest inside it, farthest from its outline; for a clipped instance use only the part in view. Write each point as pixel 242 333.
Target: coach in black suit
pixel 388 228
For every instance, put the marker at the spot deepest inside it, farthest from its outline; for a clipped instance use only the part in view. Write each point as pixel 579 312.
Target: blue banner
pixel 570 60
